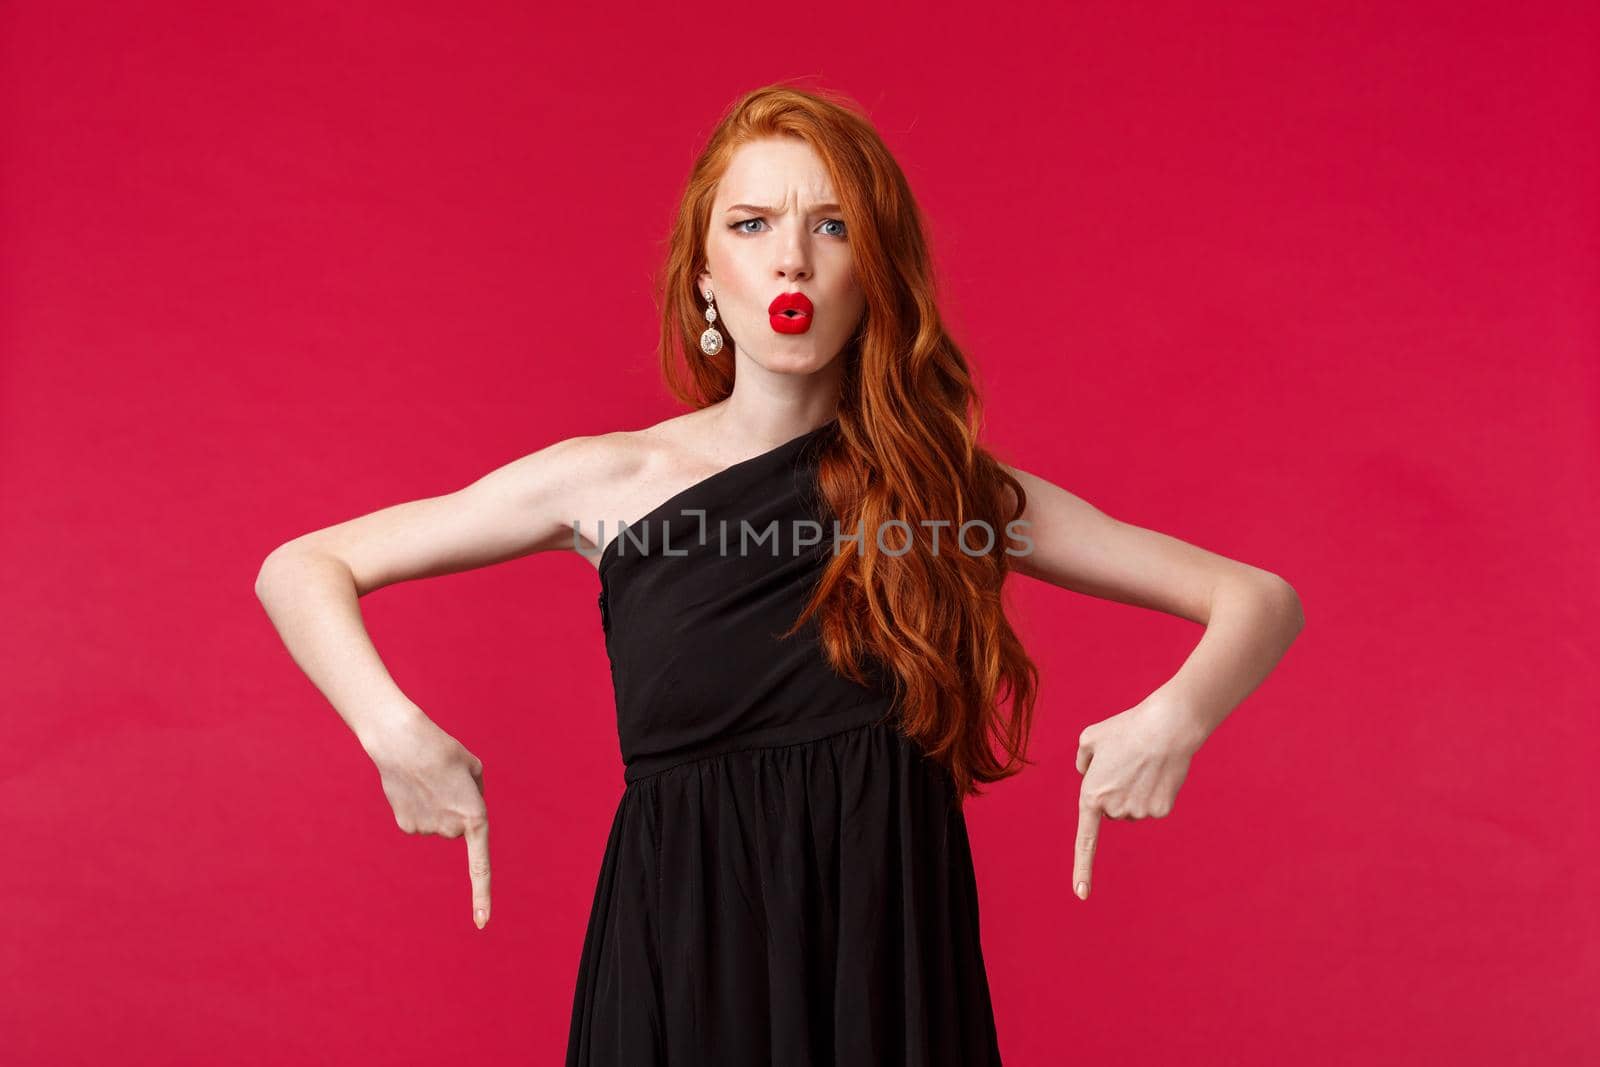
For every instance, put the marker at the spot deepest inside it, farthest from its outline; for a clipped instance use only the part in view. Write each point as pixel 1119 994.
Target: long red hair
pixel 906 449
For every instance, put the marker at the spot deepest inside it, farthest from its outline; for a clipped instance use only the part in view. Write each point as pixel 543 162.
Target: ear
pixel 702 282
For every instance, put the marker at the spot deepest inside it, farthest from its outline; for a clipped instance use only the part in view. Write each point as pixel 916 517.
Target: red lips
pixel 790 313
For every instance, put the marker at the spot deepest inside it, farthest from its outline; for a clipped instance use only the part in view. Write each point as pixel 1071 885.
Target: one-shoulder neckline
pixel 607 556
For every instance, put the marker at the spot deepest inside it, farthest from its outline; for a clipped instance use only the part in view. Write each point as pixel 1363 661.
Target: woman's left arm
pixel 1133 763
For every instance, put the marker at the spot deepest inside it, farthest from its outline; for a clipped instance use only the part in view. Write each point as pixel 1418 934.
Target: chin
pixel 799 360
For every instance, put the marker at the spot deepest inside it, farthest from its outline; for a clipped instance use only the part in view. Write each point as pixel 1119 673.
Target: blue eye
pixel 738 226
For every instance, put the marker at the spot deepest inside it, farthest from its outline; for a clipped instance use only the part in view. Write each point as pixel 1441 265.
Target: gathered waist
pixel 802 731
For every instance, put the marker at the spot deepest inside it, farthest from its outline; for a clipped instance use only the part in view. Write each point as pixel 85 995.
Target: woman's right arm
pixel 311 587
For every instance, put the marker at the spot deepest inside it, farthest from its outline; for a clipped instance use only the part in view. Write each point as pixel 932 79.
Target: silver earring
pixel 711 340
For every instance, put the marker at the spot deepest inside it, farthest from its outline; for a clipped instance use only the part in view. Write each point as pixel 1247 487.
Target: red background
pixel 1311 285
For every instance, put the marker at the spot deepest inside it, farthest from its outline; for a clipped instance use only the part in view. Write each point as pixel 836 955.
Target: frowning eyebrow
pixel 760 210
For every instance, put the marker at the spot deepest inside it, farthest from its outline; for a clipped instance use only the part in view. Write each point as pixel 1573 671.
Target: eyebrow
pixel 761 210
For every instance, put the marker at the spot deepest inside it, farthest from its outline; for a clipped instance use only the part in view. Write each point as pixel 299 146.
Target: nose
pixel 794 254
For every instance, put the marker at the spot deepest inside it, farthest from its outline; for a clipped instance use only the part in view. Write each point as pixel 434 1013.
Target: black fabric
pixel 787 878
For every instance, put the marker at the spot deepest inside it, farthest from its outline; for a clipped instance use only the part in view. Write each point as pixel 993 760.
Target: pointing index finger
pixel 477 836
pixel 1083 853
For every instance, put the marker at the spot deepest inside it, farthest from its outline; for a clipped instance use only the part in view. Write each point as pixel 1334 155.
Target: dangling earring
pixel 711 340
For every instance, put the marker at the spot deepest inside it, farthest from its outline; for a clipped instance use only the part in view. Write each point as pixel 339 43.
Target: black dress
pixel 787 880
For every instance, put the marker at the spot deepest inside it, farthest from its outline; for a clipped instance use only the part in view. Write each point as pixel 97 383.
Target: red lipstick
pixel 790 313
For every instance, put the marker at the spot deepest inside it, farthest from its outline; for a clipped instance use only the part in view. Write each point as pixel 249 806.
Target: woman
pixel 787 878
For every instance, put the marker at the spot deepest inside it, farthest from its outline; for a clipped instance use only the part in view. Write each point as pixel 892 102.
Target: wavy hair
pixel 905 449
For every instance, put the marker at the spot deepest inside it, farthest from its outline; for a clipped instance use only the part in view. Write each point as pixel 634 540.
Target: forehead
pixel 773 171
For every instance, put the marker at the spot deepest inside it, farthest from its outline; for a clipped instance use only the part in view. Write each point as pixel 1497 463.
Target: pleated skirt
pixel 795 905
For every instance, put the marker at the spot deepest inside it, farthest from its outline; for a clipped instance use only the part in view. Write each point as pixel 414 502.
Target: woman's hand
pixel 435 786
pixel 1132 765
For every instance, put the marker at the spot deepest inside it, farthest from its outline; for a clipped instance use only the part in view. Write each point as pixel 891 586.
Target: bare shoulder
pixel 543 501
pixel 566 490
pixel 610 479
pixel 625 473
pixel 569 484
pixel 561 492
